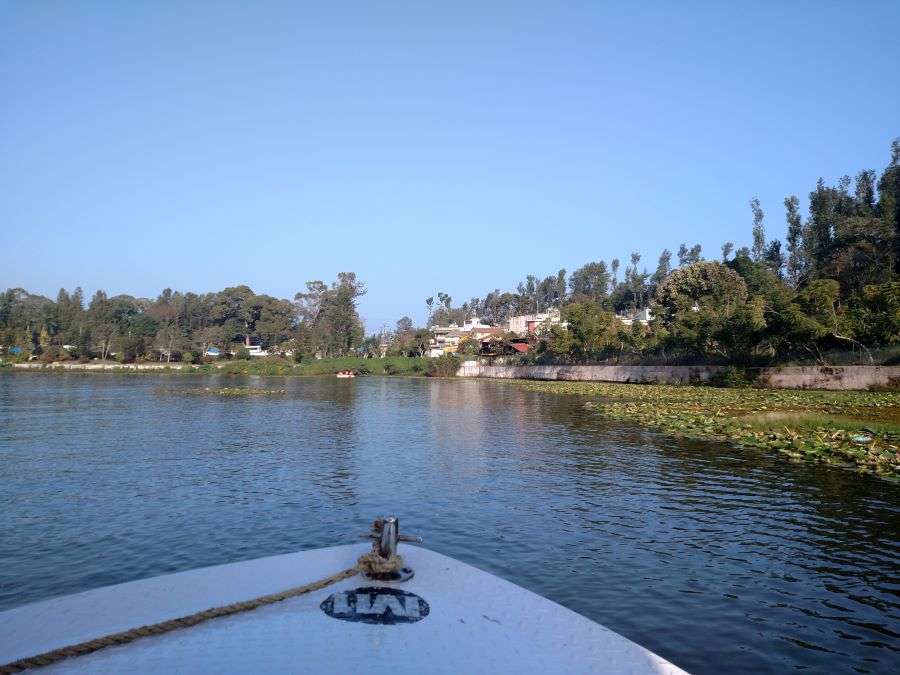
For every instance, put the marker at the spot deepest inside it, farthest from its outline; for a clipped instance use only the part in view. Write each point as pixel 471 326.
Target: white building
pixel 527 324
pixel 643 317
pixel 255 350
pixel 446 339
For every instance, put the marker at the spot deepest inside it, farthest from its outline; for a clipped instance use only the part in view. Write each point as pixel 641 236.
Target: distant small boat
pixel 345 373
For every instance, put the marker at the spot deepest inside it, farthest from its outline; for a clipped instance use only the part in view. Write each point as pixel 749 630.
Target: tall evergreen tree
pixel 796 260
pixel 663 267
pixel 758 249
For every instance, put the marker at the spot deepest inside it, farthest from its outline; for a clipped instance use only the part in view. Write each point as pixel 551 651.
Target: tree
pixel 888 207
pixel 826 205
pixel 309 304
pixel 560 290
pixel 796 260
pixel 688 256
pixel 421 339
pixel 233 309
pixel 274 320
pixel 404 341
pixel 876 318
pixel 102 322
pixel 727 248
pixel 69 315
pixel 168 337
pixel 590 281
pixel 663 267
pixel 404 325
pixel 759 232
pixel 211 336
pixel 560 343
pixel 635 291
pixel 528 300
pixel 821 315
pixel 339 317
pixel 696 303
pixel 104 333
pixel 773 257
pixel 551 291
pixel 499 307
pixel 589 333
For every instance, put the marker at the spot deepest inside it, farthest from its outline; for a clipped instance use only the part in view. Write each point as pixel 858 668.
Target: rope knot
pixel 374 563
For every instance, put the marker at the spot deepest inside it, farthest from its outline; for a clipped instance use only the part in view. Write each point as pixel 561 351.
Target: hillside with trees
pixel 832 285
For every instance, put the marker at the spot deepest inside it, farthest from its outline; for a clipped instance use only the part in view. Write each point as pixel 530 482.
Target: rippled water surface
pixel 717 559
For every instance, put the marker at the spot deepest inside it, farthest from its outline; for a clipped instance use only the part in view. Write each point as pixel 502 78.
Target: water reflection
pixel 714 557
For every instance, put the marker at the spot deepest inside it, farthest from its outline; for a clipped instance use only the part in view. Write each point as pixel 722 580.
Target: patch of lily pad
pixel 232 391
pixel 856 429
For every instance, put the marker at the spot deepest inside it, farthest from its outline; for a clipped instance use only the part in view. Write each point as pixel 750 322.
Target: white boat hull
pixel 469 621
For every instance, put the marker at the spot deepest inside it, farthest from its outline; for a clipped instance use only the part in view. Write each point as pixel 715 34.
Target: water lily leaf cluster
pixel 229 391
pixel 858 429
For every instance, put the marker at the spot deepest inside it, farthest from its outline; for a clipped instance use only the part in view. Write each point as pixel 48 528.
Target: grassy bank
pixel 860 429
pixel 395 365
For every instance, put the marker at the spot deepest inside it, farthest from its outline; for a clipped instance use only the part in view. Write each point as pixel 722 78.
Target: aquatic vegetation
pixel 860 429
pixel 229 391
pixel 394 365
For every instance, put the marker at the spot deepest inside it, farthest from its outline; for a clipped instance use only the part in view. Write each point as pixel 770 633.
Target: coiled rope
pixel 369 563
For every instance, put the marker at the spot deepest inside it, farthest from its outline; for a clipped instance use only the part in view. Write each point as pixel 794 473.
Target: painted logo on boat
pixel 376 605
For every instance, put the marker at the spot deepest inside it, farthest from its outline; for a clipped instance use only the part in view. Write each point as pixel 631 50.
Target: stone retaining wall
pixel 830 377
pixel 640 374
pixel 787 377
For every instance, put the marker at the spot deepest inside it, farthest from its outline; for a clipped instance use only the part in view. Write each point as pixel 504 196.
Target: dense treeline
pixel 321 320
pixel 832 284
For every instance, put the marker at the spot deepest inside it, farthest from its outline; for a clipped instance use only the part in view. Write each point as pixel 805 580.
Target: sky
pixel 427 147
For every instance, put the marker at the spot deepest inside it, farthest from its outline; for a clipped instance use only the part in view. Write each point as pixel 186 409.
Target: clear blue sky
pixel 455 147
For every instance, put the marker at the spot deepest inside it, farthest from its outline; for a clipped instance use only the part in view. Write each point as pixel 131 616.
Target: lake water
pixel 716 558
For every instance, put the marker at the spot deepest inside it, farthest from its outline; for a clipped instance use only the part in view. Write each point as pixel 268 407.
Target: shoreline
pixel 386 367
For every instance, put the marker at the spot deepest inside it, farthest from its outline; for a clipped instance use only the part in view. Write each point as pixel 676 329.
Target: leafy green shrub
pixel 48 355
pixel 364 370
pixel 731 378
pixel 243 353
pixel 445 365
pixel 417 367
pixel 390 369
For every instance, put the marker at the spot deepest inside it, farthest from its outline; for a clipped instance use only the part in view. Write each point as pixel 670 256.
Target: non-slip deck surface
pixel 463 620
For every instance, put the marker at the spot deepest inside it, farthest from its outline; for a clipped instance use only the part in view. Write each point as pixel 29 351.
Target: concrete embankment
pixel 785 377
